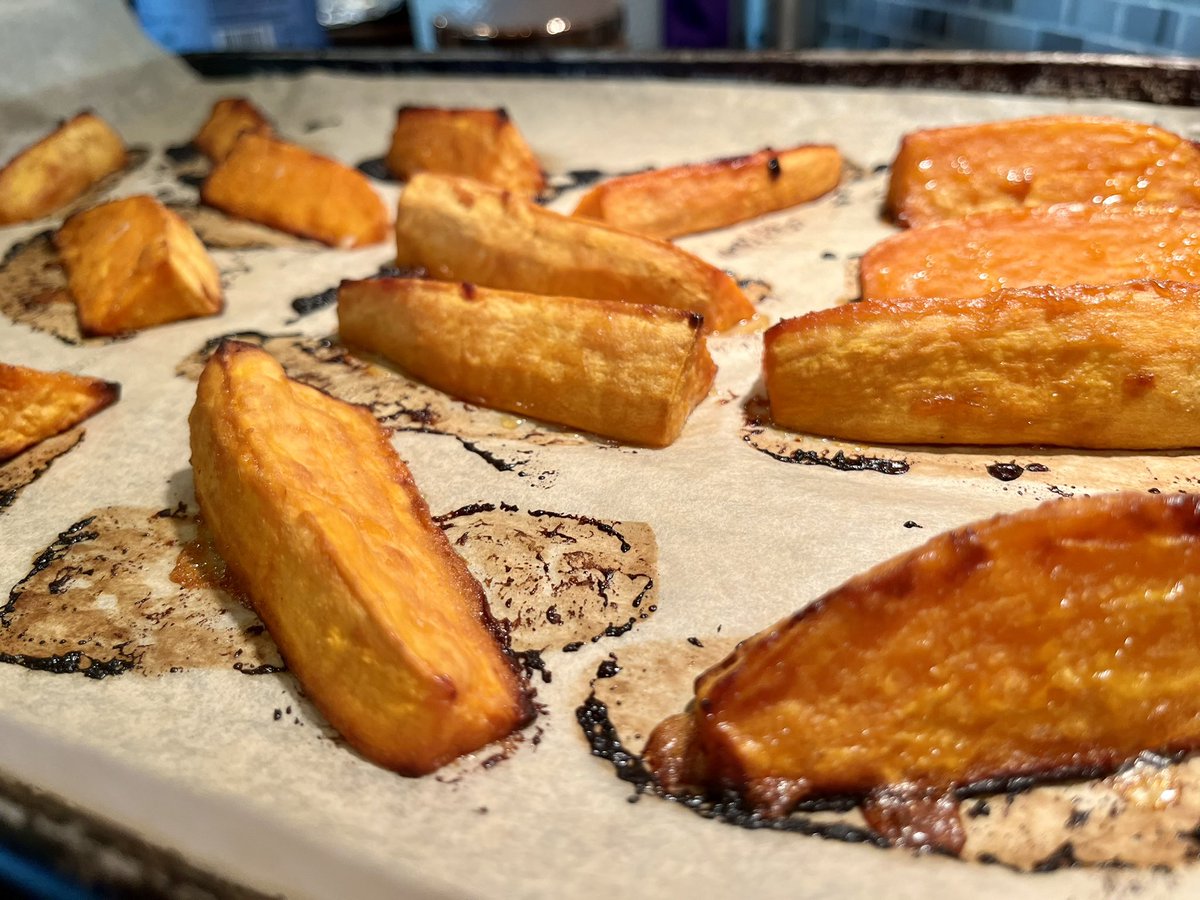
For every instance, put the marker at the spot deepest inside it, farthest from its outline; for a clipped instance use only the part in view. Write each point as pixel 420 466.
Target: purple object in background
pixel 696 23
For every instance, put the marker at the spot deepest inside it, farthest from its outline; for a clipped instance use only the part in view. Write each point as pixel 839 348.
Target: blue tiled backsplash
pixel 1159 27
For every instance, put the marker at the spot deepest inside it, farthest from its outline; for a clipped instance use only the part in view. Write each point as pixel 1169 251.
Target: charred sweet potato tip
pixel 292 189
pixel 231 117
pixel 667 203
pixel 1102 367
pixel 133 264
pixel 35 405
pixel 48 175
pixel 1054 641
pixel 948 172
pixel 461 230
pixel 620 370
pixel 482 144
pixel 320 523
pixel 976 255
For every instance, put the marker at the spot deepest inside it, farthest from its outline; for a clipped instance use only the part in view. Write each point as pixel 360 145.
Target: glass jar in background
pixel 516 24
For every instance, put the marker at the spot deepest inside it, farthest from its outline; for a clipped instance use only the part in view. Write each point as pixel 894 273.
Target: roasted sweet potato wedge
pixel 629 372
pixel 133 263
pixel 461 230
pixel 483 144
pixel 48 175
pixel 35 405
pixel 667 203
pixel 948 172
pixel 231 117
pixel 320 523
pixel 976 255
pixel 292 189
pixel 1056 641
pixel 1102 367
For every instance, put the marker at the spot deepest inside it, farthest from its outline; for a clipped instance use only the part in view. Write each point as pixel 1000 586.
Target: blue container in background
pixel 186 26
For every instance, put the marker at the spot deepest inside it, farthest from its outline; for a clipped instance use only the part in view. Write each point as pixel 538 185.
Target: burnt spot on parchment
pixel 101 600
pixel 557 578
pixel 1146 816
pixel 33 291
pixel 187 164
pixel 806 450
pixel 24 469
pixel 501 440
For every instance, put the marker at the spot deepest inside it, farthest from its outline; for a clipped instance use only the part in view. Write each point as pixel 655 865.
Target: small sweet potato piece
pixel 320 523
pixel 292 189
pixel 947 172
pixel 629 372
pixel 461 230
pixel 1085 366
pixel 483 144
pixel 231 117
pixel 35 405
pixel 976 255
pixel 1056 641
pixel 666 203
pixel 57 169
pixel 133 263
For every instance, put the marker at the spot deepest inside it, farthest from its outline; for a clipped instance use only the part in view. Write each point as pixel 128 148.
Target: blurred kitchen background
pixel 1155 27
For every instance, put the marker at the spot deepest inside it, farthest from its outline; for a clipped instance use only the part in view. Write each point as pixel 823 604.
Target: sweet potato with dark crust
pixel 667 203
pixel 48 175
pixel 320 523
pixel 231 117
pixel 133 264
pixel 947 172
pixel 35 405
pixel 292 189
pixel 976 255
pixel 1060 640
pixel 461 230
pixel 1104 367
pixel 629 372
pixel 483 144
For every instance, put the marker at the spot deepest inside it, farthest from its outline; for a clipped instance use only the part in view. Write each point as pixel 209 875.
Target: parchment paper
pixel 239 773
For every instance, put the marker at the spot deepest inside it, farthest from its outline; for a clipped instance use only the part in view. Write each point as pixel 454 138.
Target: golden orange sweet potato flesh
pixel 976 255
pixel 292 189
pixel 629 372
pixel 231 117
pixel 462 230
pixel 948 172
pixel 35 405
pixel 57 169
pixel 483 144
pixel 320 523
pixel 1058 640
pixel 667 203
pixel 133 264
pixel 1085 366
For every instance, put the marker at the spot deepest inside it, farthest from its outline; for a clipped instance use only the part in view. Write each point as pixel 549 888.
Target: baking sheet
pixel 731 536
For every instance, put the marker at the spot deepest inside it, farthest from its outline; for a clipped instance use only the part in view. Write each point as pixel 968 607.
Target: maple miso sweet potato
pixel 483 144
pixel 35 405
pixel 462 230
pixel 231 117
pixel 133 264
pixel 1084 366
pixel 1053 641
pixel 979 254
pixel 322 526
pixel 629 372
pixel 286 187
pixel 667 203
pixel 947 172
pixel 48 175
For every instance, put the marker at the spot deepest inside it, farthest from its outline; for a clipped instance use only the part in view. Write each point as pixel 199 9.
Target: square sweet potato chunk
pixel 48 175
pixel 35 405
pixel 231 117
pixel 132 264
